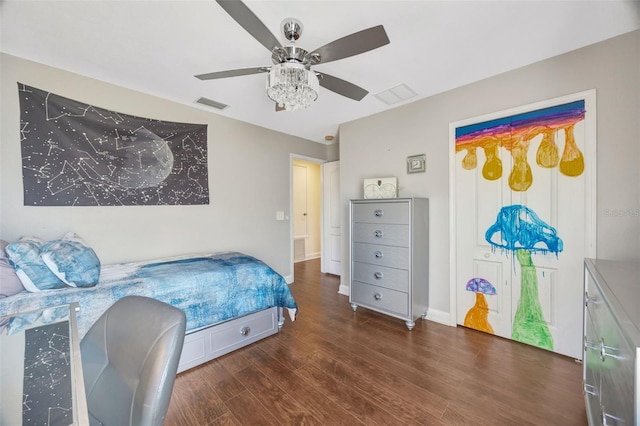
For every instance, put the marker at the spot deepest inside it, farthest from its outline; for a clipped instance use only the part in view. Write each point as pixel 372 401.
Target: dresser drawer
pixel 395 279
pixel 615 405
pixel 592 372
pixel 610 360
pixel 395 257
pixel 616 373
pixel 380 298
pixel 378 233
pixel 596 308
pixel 381 213
pixel 612 341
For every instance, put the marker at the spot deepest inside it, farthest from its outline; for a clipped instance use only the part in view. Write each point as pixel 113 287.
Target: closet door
pixel 521 232
pixel 487 307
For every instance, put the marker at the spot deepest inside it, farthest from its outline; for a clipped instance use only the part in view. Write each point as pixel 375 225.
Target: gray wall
pixel 249 180
pixel 377 146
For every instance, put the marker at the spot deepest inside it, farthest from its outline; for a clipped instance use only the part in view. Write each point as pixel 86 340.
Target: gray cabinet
pixel 389 256
pixel 611 341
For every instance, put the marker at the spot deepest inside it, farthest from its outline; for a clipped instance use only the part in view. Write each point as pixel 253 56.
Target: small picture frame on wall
pixel 416 163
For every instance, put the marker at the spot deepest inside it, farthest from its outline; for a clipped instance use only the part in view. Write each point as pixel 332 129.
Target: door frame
pixel 320 161
pixel 590 212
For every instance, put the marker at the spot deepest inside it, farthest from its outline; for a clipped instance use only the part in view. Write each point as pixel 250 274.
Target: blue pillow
pixel 72 261
pixel 35 276
pixel 10 284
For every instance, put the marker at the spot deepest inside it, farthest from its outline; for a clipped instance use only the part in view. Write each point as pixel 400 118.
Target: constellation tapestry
pixel 75 154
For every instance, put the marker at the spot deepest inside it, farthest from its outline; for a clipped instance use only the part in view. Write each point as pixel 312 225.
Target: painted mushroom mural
pixel 519 230
pixel 478 316
pixel 515 134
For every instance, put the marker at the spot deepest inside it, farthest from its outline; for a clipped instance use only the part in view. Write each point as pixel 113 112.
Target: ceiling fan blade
pixel 232 73
pixel 342 87
pixel 250 22
pixel 353 44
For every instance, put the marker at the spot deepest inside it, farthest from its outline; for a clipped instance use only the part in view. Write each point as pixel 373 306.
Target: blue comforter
pixel 209 289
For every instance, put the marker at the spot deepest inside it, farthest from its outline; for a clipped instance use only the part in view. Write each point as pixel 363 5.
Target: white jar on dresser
pixel 611 342
pixel 389 256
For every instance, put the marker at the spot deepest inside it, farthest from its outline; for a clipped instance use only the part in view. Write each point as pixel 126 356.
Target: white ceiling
pixel 157 47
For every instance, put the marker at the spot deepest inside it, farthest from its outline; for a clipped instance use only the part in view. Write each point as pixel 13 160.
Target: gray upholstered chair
pixel 130 357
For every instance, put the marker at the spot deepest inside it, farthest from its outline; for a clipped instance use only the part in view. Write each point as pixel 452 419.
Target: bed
pixel 230 300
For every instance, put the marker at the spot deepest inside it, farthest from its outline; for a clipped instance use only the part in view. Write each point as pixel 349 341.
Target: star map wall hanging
pixel 75 154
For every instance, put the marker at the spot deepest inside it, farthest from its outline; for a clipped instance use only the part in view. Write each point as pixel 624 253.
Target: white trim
pixel 590 148
pixel 344 289
pixel 440 317
pixel 453 278
pixel 591 181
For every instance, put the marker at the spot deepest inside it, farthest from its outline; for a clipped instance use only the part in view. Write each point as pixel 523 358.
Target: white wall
pixel 378 145
pixel 249 169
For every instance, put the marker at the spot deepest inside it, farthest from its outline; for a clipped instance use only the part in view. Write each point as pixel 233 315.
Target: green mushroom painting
pixel 520 231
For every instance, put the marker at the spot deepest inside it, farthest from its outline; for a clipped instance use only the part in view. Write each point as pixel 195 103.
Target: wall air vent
pixel 211 103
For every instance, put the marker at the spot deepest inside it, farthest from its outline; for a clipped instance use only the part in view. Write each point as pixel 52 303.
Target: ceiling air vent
pixel 396 94
pixel 211 103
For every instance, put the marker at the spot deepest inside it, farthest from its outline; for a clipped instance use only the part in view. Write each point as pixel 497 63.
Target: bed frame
pixel 207 343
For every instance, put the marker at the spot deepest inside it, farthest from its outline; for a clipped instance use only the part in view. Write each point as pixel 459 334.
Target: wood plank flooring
pixel 336 367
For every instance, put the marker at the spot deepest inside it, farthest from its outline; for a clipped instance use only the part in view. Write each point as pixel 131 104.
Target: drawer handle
pixel 377 233
pixel 608 351
pixel 587 299
pixel 245 331
pixel 377 275
pixel 378 254
pixel 377 213
pixel 590 390
pixel 588 345
pixel 606 416
pixel 377 296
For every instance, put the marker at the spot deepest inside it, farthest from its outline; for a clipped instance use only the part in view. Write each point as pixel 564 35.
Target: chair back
pixel 129 358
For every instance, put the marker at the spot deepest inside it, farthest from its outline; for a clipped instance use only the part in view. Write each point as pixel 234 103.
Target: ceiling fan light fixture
pixel 292 86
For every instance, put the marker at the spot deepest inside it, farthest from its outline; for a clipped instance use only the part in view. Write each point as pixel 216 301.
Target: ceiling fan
pixel 291 82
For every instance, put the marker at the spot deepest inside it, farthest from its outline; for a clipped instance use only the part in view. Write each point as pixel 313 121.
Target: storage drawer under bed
pixel 211 342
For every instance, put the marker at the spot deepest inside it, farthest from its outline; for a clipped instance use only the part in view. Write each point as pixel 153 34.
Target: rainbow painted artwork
pixel 515 133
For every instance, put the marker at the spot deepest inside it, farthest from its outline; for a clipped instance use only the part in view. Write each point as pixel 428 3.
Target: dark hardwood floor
pixel 336 367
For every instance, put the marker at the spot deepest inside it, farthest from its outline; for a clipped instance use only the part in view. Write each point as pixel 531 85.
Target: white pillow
pixel 35 276
pixel 72 261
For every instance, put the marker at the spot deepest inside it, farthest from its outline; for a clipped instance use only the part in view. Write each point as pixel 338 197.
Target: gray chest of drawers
pixel 389 256
pixel 611 342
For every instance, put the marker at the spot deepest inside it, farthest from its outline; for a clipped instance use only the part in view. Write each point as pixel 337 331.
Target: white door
pixel 522 203
pixel 331 246
pixel 299 202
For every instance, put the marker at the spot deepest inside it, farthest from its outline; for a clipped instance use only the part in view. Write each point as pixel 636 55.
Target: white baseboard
pixel 288 279
pixel 344 289
pixel 308 257
pixel 440 317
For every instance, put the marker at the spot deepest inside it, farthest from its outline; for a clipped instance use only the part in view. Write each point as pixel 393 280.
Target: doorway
pixel 306 212
pixel 314 198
